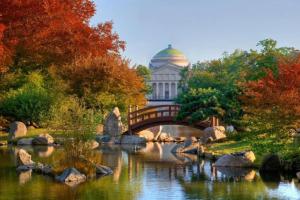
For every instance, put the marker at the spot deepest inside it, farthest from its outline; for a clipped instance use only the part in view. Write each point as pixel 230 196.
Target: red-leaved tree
pixel 53 31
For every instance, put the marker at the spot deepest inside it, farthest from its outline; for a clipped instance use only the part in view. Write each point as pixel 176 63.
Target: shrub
pixel 28 102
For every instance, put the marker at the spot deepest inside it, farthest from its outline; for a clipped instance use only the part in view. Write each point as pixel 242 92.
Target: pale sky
pixel 202 29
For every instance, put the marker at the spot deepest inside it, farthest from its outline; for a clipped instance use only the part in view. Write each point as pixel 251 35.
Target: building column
pixel 164 90
pixel 157 90
pixel 176 92
pixel 170 95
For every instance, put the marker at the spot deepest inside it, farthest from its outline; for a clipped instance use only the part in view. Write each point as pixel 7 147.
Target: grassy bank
pixel 31 133
pixel 261 143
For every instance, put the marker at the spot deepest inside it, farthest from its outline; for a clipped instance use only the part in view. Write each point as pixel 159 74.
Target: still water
pixel 149 172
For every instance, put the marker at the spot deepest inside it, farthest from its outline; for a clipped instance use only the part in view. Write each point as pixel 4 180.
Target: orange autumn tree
pixel 104 82
pixel 55 39
pixel 277 95
pixel 54 31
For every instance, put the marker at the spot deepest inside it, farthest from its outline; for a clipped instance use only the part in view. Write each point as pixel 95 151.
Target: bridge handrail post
pixel 129 119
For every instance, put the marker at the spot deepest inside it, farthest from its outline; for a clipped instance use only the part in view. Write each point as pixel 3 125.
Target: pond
pixel 149 172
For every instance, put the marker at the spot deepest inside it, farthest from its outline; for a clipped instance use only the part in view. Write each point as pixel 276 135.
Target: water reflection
pixel 145 172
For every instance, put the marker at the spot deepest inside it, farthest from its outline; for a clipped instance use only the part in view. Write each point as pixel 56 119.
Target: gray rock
pixel 147 134
pixel 298 175
pixel 271 163
pixel 216 133
pixel 24 168
pixel 298 130
pixel 16 130
pixel 23 158
pixel 71 177
pixel 25 141
pixel 43 169
pixel 162 137
pixel 230 129
pixel 43 139
pixel 133 139
pixel 113 124
pixel 103 138
pixel 94 144
pixel 187 147
pixel 241 159
pixel 103 170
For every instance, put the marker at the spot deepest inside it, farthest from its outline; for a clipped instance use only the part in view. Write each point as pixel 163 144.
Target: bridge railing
pixel 152 114
pixel 136 115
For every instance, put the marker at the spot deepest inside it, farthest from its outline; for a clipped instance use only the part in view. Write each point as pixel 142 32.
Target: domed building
pixel 165 67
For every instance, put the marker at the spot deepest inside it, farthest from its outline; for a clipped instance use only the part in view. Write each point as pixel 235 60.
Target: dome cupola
pixel 169 56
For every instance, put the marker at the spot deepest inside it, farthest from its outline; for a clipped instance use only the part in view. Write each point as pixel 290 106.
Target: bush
pixel 28 102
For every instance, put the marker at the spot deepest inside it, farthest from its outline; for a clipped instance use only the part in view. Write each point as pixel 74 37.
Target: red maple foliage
pixel 281 91
pixel 54 31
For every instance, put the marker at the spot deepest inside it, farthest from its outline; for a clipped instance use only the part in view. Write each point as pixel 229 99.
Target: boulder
pixel 93 144
pixel 148 135
pixel 216 133
pixel 16 130
pixel 240 159
pixel 113 124
pixel 43 139
pixel 162 137
pixel 169 139
pixel 43 169
pixel 298 130
pixel 298 175
pixel 24 168
pixel 24 141
pixel 230 129
pixel 187 147
pixel 103 138
pixel 194 139
pixel 271 163
pixel 103 170
pixel 71 177
pixel 133 139
pixel 23 158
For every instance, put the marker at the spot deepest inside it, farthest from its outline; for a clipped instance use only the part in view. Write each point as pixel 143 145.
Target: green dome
pixel 169 56
pixel 169 52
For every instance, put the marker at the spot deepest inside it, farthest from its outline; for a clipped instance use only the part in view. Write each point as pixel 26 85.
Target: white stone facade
pixel 166 67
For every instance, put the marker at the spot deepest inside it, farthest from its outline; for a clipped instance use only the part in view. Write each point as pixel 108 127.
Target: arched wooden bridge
pixel 140 119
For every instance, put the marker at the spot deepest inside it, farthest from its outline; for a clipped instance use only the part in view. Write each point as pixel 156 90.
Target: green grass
pixel 31 133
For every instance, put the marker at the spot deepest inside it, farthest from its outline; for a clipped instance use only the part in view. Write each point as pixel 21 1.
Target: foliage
pixel 201 103
pixel 40 33
pixel 281 92
pixel 228 74
pixel 104 82
pixel 55 38
pixel 28 102
pixel 145 73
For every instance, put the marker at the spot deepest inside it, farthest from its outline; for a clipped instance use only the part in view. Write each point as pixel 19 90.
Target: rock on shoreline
pixel 240 159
